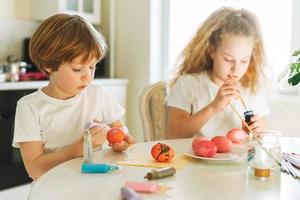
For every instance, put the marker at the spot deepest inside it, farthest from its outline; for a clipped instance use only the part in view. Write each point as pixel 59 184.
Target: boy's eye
pixel 76 70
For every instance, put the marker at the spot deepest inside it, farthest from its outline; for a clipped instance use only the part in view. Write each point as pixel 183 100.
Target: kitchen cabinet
pixel 12 169
pixel 89 9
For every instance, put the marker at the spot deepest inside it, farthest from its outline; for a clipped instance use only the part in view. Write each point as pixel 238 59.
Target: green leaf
pixel 296 53
pixel 294 76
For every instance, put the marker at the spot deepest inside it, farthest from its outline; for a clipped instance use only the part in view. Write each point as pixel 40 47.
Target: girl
pixel 221 65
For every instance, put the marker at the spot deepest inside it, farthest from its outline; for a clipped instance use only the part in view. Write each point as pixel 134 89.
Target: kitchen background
pixel 144 38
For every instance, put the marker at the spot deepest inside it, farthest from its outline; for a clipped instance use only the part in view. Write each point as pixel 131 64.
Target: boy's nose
pixel 86 74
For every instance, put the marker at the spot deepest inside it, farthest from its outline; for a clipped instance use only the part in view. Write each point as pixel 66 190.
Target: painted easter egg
pixel 223 144
pixel 196 141
pixel 204 148
pixel 115 135
pixel 236 135
pixel 162 152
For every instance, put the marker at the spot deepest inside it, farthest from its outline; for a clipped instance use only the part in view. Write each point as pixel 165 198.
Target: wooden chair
pixel 153 111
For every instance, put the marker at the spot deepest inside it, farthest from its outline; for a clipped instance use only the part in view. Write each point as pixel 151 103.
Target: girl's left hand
pixel 258 124
pixel 122 146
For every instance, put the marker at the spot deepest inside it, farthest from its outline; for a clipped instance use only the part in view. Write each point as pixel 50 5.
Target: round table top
pixel 197 179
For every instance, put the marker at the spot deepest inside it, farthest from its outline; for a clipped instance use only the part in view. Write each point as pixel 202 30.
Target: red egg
pixel 162 152
pixel 196 140
pixel 223 144
pixel 115 135
pixel 204 148
pixel 236 135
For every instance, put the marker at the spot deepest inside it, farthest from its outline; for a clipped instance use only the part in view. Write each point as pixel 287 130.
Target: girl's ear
pixel 211 52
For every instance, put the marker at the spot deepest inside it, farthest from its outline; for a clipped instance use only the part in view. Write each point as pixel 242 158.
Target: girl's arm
pixel 182 125
pixel 37 162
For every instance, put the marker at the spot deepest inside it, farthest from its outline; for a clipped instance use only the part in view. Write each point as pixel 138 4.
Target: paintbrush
pixel 255 137
pixel 241 98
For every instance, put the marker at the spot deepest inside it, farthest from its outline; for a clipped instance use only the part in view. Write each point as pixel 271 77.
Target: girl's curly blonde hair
pixel 224 21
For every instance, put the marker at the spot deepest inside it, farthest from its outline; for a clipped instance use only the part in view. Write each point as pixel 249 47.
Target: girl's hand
pixel 122 146
pixel 228 91
pixel 258 124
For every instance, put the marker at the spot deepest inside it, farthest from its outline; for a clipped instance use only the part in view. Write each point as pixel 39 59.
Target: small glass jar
pixel 263 164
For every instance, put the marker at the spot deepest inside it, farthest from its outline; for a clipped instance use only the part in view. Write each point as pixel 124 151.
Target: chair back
pixel 153 111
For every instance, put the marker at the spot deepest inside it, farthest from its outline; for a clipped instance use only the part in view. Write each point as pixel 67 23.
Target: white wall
pixel 132 54
pixel 296 25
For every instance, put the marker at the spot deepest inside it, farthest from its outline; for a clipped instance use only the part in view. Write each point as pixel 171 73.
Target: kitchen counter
pixel 24 85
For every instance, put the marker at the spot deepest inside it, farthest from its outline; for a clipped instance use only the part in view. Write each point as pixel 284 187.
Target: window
pixel 275 19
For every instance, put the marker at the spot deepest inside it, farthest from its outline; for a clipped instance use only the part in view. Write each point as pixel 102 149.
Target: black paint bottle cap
pixel 248 114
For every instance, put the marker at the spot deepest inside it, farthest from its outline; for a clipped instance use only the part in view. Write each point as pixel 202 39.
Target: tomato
pixel 204 148
pixel 162 152
pixel 237 135
pixel 115 135
pixel 223 144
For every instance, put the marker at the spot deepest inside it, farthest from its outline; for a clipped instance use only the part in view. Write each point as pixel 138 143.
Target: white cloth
pixel 57 123
pixel 193 92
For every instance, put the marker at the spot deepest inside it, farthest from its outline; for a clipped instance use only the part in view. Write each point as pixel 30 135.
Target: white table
pixel 198 179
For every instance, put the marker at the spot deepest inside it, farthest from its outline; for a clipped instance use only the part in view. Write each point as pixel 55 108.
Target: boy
pixel 50 122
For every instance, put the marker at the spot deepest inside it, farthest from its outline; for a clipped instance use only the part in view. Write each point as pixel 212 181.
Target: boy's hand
pixel 228 91
pixel 122 146
pixel 98 134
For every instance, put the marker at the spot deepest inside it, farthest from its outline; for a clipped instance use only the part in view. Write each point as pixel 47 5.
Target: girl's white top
pixel 193 92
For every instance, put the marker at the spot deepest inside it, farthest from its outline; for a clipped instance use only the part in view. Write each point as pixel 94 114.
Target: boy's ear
pixel 48 70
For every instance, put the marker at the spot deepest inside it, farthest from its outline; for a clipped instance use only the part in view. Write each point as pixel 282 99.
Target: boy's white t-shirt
pixel 193 92
pixel 57 123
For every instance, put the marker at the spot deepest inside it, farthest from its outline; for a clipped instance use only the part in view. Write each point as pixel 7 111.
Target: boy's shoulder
pixel 29 97
pixel 96 88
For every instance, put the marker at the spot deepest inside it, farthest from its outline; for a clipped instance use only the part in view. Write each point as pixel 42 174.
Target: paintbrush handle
pixel 243 102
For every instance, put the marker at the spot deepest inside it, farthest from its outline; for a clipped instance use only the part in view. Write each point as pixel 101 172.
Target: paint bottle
pixel 97 168
pixel 160 173
pixel 87 147
pixel 248 114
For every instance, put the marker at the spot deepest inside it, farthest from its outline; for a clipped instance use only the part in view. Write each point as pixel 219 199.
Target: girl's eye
pixel 92 67
pixel 245 61
pixel 227 60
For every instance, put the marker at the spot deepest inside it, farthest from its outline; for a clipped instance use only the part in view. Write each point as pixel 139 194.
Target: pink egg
pixel 223 144
pixel 204 148
pixel 196 141
pixel 236 135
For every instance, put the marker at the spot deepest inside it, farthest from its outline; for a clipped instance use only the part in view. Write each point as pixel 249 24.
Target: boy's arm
pixel 37 162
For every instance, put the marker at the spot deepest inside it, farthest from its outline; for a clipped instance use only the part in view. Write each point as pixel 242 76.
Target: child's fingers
pixel 120 146
pixel 98 129
pixel 129 139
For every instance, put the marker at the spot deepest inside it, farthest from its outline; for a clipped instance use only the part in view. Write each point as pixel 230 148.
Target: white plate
pixel 217 156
